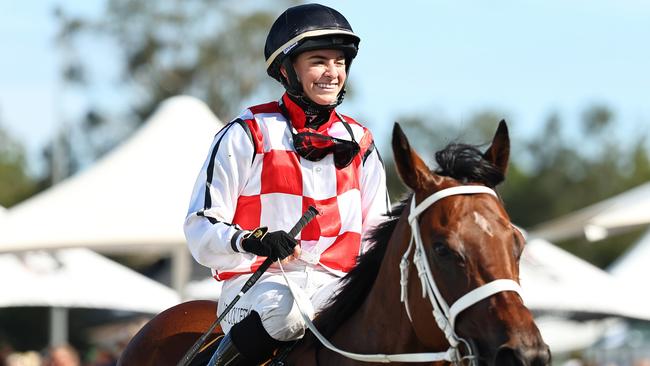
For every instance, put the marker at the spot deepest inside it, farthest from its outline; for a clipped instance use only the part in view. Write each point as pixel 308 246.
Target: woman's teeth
pixel 326 86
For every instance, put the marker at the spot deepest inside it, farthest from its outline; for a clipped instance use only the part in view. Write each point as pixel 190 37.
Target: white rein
pixel 443 314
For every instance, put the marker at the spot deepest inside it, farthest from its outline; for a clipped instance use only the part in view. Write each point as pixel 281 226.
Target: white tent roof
pixel 556 281
pixel 78 278
pixel 205 289
pixel 596 222
pixel 565 336
pixel 135 197
pixel 633 266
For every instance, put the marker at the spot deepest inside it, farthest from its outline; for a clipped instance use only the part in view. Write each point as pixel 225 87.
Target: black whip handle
pixel 297 228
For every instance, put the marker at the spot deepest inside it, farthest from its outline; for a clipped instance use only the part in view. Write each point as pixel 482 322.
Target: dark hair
pixel 467 164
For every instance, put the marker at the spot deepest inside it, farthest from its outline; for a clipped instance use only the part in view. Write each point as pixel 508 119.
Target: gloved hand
pixel 275 245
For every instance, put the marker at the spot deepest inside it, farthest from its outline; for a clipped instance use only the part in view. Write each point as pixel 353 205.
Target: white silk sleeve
pixel 211 237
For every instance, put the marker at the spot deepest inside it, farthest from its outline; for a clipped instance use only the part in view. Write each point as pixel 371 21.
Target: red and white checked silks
pixel 245 184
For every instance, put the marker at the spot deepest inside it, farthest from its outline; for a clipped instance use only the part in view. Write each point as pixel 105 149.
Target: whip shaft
pixel 191 353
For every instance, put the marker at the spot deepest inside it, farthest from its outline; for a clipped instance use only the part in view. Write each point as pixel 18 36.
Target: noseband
pixel 444 314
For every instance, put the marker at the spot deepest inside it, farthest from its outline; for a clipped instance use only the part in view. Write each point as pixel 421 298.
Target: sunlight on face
pixel 322 74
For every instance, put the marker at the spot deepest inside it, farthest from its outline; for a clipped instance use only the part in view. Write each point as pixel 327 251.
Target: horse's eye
pixel 441 249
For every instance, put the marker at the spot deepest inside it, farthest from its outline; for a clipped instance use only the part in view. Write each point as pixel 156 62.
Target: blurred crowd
pixel 631 361
pixel 63 355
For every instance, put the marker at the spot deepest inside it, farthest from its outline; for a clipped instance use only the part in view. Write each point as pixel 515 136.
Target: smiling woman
pixel 321 73
pixel 268 165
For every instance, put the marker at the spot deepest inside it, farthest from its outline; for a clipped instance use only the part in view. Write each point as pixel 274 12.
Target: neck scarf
pixel 314 146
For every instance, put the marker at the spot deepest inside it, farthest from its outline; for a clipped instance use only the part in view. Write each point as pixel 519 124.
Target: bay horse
pixel 466 252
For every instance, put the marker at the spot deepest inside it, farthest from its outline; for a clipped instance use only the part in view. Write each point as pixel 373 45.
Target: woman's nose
pixel 332 71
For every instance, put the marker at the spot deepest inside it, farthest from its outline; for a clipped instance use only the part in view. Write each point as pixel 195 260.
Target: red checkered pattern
pixel 282 185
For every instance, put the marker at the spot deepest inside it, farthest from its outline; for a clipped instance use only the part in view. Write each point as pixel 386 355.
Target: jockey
pixel 266 167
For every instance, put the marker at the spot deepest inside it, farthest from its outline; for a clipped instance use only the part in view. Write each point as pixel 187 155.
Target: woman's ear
pixel 283 71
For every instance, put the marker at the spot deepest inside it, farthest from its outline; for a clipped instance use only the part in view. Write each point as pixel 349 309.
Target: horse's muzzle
pixel 519 356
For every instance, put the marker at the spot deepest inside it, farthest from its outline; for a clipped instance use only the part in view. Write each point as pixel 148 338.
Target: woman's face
pixel 321 74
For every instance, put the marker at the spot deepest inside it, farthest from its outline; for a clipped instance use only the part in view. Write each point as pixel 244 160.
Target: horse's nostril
pixel 507 356
pixel 542 358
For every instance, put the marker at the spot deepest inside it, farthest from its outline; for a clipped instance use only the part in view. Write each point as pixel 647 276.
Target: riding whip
pixel 191 353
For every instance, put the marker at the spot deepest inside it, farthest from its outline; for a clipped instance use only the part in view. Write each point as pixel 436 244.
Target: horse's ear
pixel 499 152
pixel 411 168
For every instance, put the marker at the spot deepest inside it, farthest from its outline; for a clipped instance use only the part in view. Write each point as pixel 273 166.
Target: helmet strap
pixel 291 82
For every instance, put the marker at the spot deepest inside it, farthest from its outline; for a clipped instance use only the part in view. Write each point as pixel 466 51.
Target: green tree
pixel 15 182
pixel 428 135
pixel 568 173
pixel 210 49
pixel 551 173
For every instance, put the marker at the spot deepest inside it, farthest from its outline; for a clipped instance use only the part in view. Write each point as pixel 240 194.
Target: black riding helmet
pixel 305 28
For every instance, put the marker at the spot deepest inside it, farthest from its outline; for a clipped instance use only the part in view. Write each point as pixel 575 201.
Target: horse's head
pixel 468 242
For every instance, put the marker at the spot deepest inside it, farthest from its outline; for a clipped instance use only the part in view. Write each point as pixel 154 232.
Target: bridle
pixel 444 314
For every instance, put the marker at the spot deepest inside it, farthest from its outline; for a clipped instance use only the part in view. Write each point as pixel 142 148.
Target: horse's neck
pixel 381 325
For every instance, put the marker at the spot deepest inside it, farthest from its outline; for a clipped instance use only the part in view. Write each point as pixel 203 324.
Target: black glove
pixel 275 245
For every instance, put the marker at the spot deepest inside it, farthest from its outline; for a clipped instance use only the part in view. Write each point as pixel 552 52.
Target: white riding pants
pixel 271 299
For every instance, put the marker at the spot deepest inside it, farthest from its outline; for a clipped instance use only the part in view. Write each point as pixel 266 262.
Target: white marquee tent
pixel 134 199
pixel 627 210
pixel 556 281
pixel 575 301
pixel 205 289
pixel 633 266
pixel 78 278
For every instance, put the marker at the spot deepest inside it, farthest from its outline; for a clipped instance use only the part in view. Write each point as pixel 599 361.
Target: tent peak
pixel 133 197
pixel 182 103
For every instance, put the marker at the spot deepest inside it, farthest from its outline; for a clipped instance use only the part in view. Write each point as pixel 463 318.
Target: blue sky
pixel 447 58
pixel 525 58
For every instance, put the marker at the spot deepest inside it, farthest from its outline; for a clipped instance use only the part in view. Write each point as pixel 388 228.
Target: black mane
pixel 357 283
pixel 467 164
pixel 462 162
